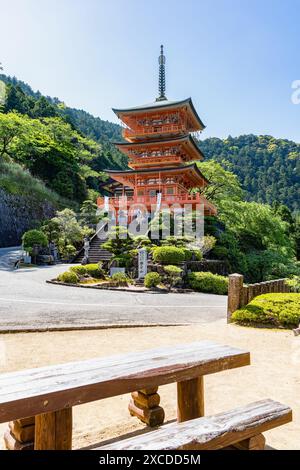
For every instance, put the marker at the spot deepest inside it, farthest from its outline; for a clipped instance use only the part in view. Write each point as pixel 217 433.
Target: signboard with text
pixel 142 263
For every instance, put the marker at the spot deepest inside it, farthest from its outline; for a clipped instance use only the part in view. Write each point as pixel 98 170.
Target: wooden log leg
pixel 254 443
pixel 190 399
pixel 53 431
pixel 144 405
pixel 20 434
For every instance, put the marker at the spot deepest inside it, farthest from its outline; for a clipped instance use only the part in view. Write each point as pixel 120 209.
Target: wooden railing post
pixel 245 298
pixel 235 294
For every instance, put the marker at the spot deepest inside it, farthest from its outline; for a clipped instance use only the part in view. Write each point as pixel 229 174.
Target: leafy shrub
pixel 79 270
pixel 168 255
pixel 69 277
pixel 123 261
pixel 188 254
pixel 180 242
pixel 119 241
pixel 119 279
pixel 34 237
pixel 208 243
pixel 67 251
pixel 94 270
pixel 271 309
pixel 294 283
pixel 173 275
pixel 208 282
pixel 142 241
pixel 152 280
pixel 197 254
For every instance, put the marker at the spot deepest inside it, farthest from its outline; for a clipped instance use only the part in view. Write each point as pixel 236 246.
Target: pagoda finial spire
pixel 161 76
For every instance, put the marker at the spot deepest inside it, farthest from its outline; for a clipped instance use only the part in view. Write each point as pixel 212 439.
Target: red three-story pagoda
pixel 161 154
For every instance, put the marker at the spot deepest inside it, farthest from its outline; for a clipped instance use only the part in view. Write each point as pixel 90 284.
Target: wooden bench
pixel 49 393
pixel 241 427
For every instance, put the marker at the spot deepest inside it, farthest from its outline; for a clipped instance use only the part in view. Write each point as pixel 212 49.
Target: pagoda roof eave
pixel 185 138
pixel 164 104
pixel 192 166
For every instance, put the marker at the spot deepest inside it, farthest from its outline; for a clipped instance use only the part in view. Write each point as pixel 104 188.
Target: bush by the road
pixel 152 280
pixel 208 282
pixel 169 255
pixel 172 275
pixel 80 270
pixel 94 270
pixel 34 237
pixel 69 277
pixel 270 309
pixel 119 279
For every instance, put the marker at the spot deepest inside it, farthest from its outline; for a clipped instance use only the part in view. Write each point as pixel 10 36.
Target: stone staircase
pixel 96 252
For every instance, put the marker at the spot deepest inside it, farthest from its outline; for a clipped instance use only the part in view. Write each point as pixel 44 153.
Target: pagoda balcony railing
pixel 159 159
pixel 155 153
pixel 170 199
pixel 151 131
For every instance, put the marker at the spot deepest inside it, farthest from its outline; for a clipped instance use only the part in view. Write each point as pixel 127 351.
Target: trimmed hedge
pixel 270 309
pixel 208 282
pixel 294 283
pixel 152 280
pixel 34 237
pixel 188 254
pixel 123 261
pixel 198 255
pixel 79 270
pixel 172 275
pixel 94 270
pixel 119 279
pixel 68 277
pixel 169 255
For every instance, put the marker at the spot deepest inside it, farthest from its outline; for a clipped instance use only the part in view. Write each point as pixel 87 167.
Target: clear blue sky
pixel 237 59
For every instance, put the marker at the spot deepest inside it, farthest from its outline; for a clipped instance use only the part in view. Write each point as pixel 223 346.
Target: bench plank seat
pixel 214 432
pixel 46 389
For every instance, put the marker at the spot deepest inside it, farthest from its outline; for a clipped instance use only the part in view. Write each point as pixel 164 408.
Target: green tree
pixel 172 275
pixel 11 128
pixel 259 222
pixel 119 241
pixel 43 108
pixel 32 238
pixel 223 183
pixel 50 149
pixel 18 101
pixel 88 213
pixel 71 232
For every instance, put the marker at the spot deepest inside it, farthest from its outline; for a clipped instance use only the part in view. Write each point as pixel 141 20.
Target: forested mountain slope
pixel 268 168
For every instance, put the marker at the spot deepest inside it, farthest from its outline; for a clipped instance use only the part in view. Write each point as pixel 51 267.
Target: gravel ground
pixel 274 373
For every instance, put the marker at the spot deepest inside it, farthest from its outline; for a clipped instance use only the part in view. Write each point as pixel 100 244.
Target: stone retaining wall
pixel 18 214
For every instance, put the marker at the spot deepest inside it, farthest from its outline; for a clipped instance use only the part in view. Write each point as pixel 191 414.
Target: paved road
pixel 27 302
pixel 8 256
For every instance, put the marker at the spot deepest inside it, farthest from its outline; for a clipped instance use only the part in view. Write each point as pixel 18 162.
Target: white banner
pixel 106 203
pixel 158 202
